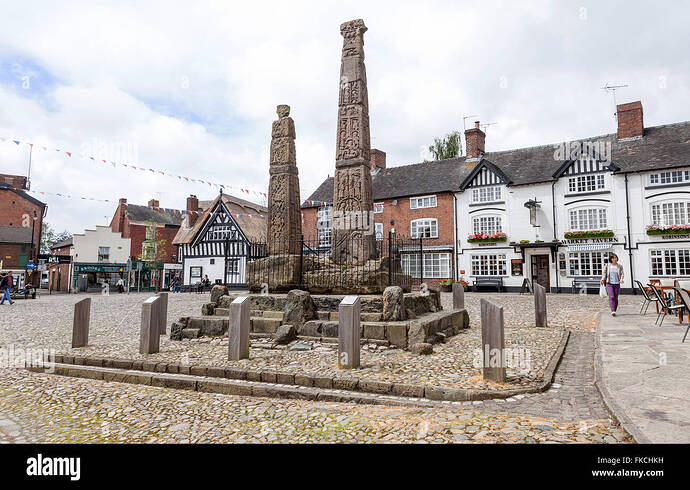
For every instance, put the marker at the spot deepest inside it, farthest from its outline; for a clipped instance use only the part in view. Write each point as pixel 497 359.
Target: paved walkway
pixel 644 372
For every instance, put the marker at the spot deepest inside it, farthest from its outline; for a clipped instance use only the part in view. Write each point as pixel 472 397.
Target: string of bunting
pixel 318 203
pixel 157 208
pixel 143 169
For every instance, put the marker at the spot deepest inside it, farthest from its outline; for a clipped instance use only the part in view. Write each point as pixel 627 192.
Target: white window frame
pixel 667 213
pixel 486 194
pixel 324 224
pixel 437 265
pixel 378 207
pixel 579 184
pixel 378 228
pixel 494 264
pixel 669 177
pixel 587 264
pixel 591 218
pixel 415 224
pixel 422 202
pixel 490 223
pixel 671 262
pixel 104 257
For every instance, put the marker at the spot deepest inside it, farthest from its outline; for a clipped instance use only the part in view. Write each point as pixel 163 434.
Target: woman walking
pixel 613 278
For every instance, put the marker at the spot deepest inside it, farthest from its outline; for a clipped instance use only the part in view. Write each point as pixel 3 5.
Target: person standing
pixel 612 279
pixel 6 285
pixel 121 285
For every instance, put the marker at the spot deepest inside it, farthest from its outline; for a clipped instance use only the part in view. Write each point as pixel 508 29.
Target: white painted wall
pixel 85 245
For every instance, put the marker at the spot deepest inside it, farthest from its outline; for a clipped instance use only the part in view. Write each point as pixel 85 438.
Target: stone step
pixel 221 312
pixel 264 325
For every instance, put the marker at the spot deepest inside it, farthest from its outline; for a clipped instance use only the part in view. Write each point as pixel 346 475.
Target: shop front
pixel 146 276
pixel 581 262
pixel 92 277
pixel 170 270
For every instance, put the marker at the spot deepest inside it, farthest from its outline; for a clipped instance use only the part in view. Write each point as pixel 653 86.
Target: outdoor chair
pixel 648 299
pixel 665 306
pixel 685 301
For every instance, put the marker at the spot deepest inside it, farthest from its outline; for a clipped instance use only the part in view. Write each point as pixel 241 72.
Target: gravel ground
pixel 53 409
pixel 114 332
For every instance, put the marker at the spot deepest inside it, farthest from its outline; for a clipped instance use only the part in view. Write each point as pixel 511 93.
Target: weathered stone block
pixel 217 292
pixel 374 331
pixel 397 334
pixel 393 304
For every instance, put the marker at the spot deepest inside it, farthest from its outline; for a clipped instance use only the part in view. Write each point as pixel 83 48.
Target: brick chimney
pixel 192 205
pixel 153 203
pixel 474 141
pixel 378 159
pixel 118 222
pixel 630 120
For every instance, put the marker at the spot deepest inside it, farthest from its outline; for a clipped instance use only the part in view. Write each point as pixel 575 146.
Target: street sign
pixel 30 265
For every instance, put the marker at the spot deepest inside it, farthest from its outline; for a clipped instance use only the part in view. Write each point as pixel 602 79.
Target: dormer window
pixel 486 194
pixel 586 183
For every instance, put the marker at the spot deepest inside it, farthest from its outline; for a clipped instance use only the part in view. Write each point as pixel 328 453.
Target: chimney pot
pixel 476 124
pixel 153 203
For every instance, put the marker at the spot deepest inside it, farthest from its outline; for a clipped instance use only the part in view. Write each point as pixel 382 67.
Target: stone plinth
pixel 149 336
pixel 80 325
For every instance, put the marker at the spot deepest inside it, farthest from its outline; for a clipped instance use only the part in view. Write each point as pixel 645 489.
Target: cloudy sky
pixel 192 89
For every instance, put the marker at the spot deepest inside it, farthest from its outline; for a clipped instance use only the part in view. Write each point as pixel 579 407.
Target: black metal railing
pixel 327 266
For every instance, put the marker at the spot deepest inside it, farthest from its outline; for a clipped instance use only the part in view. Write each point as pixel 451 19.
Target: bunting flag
pixel 318 203
pixel 115 201
pixel 153 171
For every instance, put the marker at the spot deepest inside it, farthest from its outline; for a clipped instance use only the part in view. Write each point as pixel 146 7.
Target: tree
pixel 152 248
pixel 50 238
pixel 448 147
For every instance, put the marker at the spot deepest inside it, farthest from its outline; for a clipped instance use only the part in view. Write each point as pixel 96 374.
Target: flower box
pixel 668 230
pixel 589 234
pixel 482 237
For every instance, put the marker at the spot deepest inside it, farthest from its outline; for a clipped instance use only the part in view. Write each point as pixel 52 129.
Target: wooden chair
pixel 647 298
pixel 665 307
pixel 685 301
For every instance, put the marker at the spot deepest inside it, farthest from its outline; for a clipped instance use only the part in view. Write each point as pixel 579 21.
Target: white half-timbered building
pixel 565 208
pixel 216 237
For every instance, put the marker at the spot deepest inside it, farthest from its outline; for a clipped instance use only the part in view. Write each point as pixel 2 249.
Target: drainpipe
pixel 630 255
pixel 456 271
pixel 553 211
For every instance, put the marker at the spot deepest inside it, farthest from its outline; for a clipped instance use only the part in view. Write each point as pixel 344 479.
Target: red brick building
pixel 413 200
pixel 21 221
pixel 59 274
pixel 132 220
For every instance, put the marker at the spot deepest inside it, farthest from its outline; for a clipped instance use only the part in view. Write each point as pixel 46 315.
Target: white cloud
pixel 194 88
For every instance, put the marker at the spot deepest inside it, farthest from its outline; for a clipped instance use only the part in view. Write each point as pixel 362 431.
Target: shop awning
pixel 588 246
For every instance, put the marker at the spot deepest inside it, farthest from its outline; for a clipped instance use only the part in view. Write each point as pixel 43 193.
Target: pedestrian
pixel 121 285
pixel 6 285
pixel 176 283
pixel 612 279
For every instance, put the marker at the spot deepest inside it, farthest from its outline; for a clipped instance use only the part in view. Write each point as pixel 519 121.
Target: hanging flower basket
pixel 668 230
pixel 482 237
pixel 589 234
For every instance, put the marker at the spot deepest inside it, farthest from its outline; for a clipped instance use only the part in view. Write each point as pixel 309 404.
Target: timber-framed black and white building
pixel 217 238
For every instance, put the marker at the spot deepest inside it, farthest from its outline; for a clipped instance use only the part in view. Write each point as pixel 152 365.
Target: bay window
pixel 588 219
pixel 436 265
pixel 670 262
pixel 587 263
pixel 671 213
pixel 489 265
pixel 487 225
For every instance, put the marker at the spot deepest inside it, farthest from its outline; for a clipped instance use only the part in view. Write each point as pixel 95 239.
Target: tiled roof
pixel 143 214
pixel 15 234
pixel 666 146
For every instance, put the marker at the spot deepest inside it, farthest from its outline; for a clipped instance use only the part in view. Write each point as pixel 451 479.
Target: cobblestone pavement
pixel 44 408
pixel 54 409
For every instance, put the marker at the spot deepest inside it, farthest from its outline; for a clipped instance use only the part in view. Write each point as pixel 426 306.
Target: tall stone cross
pixel 284 218
pixel 353 201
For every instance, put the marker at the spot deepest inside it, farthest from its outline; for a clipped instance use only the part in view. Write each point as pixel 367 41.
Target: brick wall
pixel 138 234
pixel 9 254
pixel 17 210
pixel 402 215
pixel 630 124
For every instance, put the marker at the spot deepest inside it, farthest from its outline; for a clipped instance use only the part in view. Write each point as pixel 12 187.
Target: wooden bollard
pixel 493 342
pixel 80 324
pixel 163 313
pixel 349 333
pixel 539 305
pixel 149 337
pixel 458 296
pixel 238 329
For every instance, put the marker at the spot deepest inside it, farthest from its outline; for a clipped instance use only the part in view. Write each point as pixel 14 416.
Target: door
pixel 540 271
